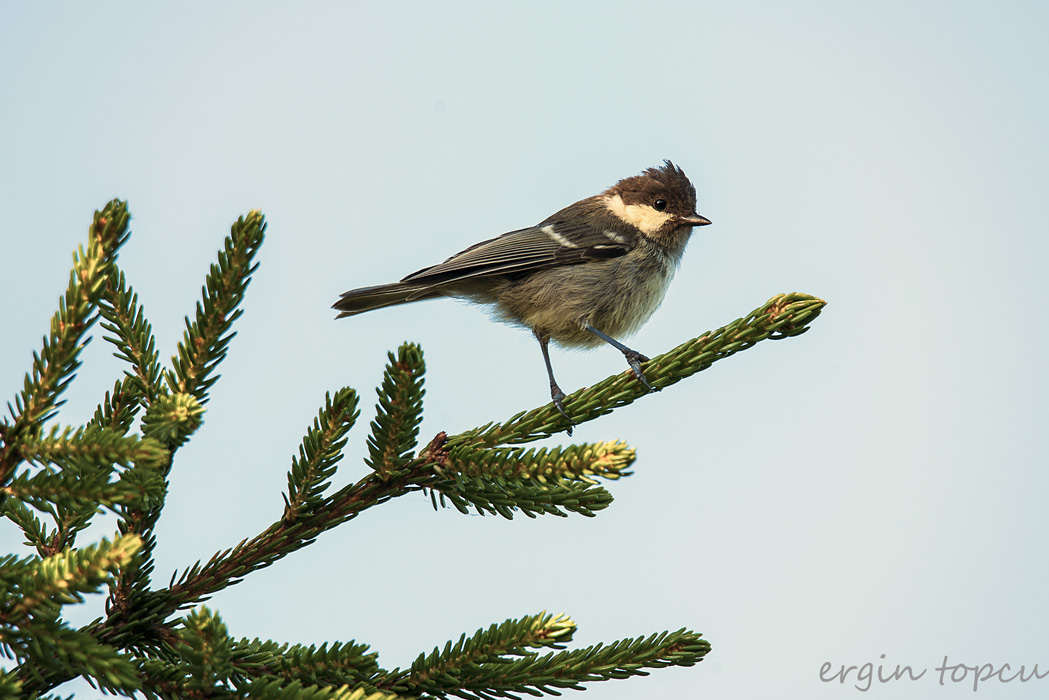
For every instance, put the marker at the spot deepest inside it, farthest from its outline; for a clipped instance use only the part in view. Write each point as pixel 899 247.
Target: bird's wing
pixel 528 249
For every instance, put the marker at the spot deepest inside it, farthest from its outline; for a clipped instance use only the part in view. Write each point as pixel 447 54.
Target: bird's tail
pixel 357 301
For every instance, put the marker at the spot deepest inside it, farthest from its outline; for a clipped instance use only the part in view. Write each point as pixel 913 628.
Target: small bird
pixel 592 272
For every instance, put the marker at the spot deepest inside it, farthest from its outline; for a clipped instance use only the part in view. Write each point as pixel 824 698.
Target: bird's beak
pixel 693 220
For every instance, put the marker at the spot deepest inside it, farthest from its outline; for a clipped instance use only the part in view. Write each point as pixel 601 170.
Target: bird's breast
pixel 641 284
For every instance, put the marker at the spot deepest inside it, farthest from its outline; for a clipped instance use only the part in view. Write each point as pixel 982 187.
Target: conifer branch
pixel 44 649
pixel 399 412
pixel 168 680
pixel 300 527
pixel 132 334
pixel 13 569
pixel 71 653
pixel 478 667
pixel 36 534
pixel 336 664
pixel 607 460
pixel 211 664
pixel 511 638
pixel 170 421
pixel 63 578
pixel 87 458
pixel 306 515
pixel 93 447
pixel 205 651
pixel 177 411
pixel 118 409
pixel 84 492
pixel 54 365
pixel 207 338
pixel 266 689
pixel 293 532
pixel 529 496
pixel 783 316
pixel 320 452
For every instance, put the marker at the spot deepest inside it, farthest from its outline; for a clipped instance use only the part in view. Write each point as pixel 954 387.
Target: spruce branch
pixel 479 667
pixel 132 334
pixel 296 530
pixel 59 358
pixel 783 316
pixel 169 680
pixel 86 459
pixel 607 460
pixel 511 638
pixel 288 535
pixel 118 409
pixel 43 646
pixel 64 577
pixel 266 689
pixel 399 411
pixel 300 526
pixel 176 411
pixel 320 452
pixel 71 653
pixel 85 493
pixel 205 650
pixel 207 338
pixel 306 513
pixel 13 569
pixel 36 534
pixel 169 421
pixel 206 662
pixel 91 446
pixel 336 664
pixel 531 497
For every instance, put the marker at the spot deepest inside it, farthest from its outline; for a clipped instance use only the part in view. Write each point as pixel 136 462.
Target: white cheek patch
pixel 644 217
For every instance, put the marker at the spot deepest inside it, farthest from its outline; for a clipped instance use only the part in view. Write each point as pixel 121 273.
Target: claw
pixel 558 396
pixel 634 359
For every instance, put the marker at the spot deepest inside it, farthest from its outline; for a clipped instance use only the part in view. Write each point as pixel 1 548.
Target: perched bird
pixel 592 272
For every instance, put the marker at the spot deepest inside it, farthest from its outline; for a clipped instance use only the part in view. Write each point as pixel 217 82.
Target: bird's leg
pixel 555 391
pixel 633 357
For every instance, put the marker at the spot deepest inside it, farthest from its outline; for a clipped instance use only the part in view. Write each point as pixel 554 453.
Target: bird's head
pixel 660 203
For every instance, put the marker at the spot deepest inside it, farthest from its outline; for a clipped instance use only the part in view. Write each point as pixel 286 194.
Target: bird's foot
pixel 634 359
pixel 558 396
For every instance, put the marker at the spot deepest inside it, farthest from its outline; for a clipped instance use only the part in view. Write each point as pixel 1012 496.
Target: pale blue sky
pixel 876 486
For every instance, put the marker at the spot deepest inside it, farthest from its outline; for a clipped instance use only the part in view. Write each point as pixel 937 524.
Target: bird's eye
pixel 660 205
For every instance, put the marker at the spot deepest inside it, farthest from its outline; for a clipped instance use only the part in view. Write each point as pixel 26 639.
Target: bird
pixel 591 273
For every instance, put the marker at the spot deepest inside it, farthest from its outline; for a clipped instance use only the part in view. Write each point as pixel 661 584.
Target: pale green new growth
pixel 55 478
pixel 608 460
